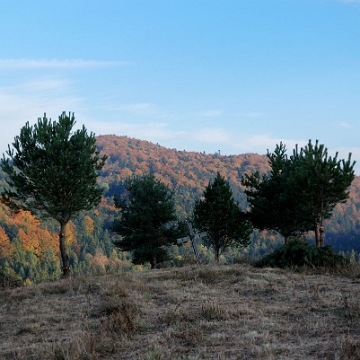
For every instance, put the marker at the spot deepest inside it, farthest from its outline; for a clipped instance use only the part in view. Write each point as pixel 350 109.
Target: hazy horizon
pixel 212 75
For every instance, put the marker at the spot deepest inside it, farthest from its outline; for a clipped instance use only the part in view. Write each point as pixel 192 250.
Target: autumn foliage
pixel 24 240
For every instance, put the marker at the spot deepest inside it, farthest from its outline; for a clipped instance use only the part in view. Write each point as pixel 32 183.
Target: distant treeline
pixel 29 248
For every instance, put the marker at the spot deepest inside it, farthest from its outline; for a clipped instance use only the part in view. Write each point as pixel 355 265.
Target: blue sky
pixel 201 75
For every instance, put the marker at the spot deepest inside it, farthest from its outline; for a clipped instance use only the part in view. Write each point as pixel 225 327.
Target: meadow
pixel 192 312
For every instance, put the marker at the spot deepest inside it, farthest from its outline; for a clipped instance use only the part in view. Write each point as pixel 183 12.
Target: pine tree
pixel 147 221
pixel 320 182
pixel 273 205
pixel 220 216
pixel 300 192
pixel 52 172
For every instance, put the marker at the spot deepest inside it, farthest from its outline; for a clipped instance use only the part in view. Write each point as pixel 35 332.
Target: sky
pixel 237 76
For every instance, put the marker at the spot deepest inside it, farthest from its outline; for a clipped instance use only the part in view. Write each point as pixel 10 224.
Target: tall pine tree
pixel 147 220
pixel 52 171
pixel 319 182
pixel 220 216
pixel 273 205
pixel 300 192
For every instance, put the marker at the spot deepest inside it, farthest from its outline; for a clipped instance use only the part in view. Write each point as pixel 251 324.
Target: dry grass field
pixel 193 312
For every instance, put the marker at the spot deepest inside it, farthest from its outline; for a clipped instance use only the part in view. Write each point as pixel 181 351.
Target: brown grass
pixel 194 312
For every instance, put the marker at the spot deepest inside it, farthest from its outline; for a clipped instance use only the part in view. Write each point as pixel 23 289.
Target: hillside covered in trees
pixel 28 247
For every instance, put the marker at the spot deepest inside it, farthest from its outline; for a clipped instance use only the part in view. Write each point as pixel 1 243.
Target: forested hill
pixel 185 172
pixel 189 172
pixel 29 247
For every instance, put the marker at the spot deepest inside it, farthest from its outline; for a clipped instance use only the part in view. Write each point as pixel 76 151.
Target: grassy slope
pixel 194 312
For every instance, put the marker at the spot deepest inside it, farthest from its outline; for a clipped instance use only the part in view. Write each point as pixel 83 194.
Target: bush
pixel 298 252
pixel 9 280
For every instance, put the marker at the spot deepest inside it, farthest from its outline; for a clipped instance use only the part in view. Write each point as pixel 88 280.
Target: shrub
pixel 298 252
pixel 8 280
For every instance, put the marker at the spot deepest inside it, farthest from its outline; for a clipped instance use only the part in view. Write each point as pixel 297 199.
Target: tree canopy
pixel 320 182
pixel 300 192
pixel 52 171
pixel 273 205
pixel 220 216
pixel 147 220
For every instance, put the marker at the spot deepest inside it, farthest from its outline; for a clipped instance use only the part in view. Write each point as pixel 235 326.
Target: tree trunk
pixel 63 252
pixel 217 256
pixel 153 262
pixel 317 236
pixel 322 231
pixel 285 240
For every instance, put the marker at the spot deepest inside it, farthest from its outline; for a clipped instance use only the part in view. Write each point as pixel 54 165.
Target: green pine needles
pixel 300 191
pixel 220 217
pixel 52 171
pixel 147 220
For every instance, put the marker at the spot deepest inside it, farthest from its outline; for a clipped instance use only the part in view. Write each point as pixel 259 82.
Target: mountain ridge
pixel 188 173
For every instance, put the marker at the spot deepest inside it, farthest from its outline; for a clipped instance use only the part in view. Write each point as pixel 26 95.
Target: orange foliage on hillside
pixel 5 245
pixel 188 173
pixel 89 225
pixel 33 237
pixel 175 168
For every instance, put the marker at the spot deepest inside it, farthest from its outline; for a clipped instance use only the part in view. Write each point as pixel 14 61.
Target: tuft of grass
pixel 119 319
pixel 349 307
pixel 154 355
pixel 350 350
pixel 212 311
pixel 60 287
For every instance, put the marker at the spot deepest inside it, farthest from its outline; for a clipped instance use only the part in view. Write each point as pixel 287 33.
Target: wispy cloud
pixel 345 151
pixel 263 142
pixel 190 139
pixel 28 101
pixel 56 63
pixel 157 132
pixel 211 113
pixel 148 110
pixel 345 125
pixel 151 131
pixel 209 139
pixel 251 115
pixel 33 86
pixel 29 95
pixel 140 109
pixel 210 136
pixel 355 3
